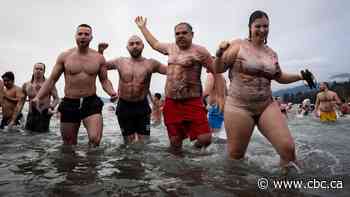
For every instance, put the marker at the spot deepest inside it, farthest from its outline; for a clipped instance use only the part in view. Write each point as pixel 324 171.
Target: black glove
pixel 309 78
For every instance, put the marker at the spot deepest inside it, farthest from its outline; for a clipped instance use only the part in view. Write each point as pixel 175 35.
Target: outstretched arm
pixel 101 48
pixel 49 84
pixel 286 78
pixel 152 41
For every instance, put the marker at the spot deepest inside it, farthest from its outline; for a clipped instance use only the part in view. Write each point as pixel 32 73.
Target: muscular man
pixel 184 112
pixel 326 101
pixel 216 100
pixel 135 73
pixel 38 118
pixel 80 65
pixel 13 99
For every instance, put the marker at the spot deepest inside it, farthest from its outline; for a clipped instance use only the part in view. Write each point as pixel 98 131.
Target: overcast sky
pixel 315 33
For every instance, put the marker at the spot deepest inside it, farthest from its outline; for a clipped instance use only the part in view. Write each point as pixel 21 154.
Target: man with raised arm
pixel 135 74
pixel 184 112
pixel 80 66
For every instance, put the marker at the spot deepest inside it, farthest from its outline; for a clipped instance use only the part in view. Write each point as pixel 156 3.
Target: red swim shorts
pixel 185 118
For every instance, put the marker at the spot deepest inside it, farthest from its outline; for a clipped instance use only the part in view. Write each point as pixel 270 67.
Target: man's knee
pixel 203 140
pixel 287 151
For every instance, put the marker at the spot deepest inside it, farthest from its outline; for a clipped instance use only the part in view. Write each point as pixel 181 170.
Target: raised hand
pixel 102 46
pixel 141 21
pixel 222 47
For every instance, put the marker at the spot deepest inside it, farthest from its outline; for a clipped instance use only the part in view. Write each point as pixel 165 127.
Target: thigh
pixel 239 126
pixel 142 124
pixel 273 125
pixel 94 125
pixel 69 132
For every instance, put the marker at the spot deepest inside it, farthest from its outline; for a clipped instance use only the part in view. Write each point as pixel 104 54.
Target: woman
pixel 252 65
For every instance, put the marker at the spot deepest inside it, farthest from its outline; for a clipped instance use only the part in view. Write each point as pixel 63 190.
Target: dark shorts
pixel 6 121
pixel 185 118
pixel 74 110
pixel 134 117
pixel 38 122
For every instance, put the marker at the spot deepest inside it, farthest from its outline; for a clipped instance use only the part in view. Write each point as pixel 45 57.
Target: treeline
pixel 341 88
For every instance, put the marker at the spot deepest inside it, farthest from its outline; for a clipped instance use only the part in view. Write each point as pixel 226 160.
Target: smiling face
pixel 83 37
pixel 259 29
pixel 183 36
pixel 135 46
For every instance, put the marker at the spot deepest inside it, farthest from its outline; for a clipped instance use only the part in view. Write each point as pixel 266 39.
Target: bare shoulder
pixel 63 55
pixel 97 55
pixel 271 51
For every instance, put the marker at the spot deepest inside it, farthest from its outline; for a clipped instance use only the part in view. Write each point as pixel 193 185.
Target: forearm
pixel 219 65
pixel 152 41
pixel 17 110
pixel 108 87
pixel 286 78
pixel 45 89
pixel 54 103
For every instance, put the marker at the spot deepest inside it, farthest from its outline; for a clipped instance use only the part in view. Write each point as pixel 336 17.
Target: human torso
pixel 134 78
pixel 80 73
pixel 327 101
pixel 32 89
pixel 251 77
pixel 184 71
pixel 9 106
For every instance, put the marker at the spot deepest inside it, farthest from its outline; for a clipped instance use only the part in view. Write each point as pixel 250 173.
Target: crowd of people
pixel 243 103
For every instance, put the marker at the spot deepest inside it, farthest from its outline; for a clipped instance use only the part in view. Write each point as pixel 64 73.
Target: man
pixel 38 118
pixel 135 74
pixel 184 112
pixel 13 99
pixel 1 91
pixel 80 65
pixel 216 100
pixel 157 109
pixel 326 101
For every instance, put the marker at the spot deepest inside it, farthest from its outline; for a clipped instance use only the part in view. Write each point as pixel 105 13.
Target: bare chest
pixel 75 65
pixel 135 71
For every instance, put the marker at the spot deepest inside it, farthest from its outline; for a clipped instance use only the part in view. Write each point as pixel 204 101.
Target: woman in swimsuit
pixel 252 65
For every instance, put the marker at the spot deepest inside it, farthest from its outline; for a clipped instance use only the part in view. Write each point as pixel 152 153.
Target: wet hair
pixel 31 81
pixel 189 27
pixel 8 75
pixel 84 25
pixel 255 15
pixel 326 84
pixel 158 95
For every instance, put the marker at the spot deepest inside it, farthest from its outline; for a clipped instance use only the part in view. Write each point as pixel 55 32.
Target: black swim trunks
pixel 38 122
pixel 74 110
pixel 6 121
pixel 134 117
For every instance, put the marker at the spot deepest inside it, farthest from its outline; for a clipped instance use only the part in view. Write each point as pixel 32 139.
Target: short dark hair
pixel 158 95
pixel 255 15
pixel 84 25
pixel 189 27
pixel 9 75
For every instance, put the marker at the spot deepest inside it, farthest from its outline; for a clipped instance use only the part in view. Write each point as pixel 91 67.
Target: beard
pixel 135 53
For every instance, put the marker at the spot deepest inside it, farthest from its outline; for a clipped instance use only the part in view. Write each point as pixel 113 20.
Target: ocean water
pixel 37 164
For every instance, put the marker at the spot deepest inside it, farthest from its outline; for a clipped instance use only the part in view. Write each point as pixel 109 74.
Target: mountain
pixel 293 90
pixel 341 76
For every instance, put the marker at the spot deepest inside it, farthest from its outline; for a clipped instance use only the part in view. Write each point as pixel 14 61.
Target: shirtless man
pixel 38 118
pixel 135 74
pixel 13 99
pixel 216 100
pixel 1 91
pixel 157 109
pixel 80 65
pixel 184 112
pixel 326 101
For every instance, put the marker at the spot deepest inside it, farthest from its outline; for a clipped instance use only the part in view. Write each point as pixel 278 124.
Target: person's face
pixel 135 47
pixel 183 36
pixel 8 83
pixel 38 70
pixel 83 37
pixel 260 29
pixel 323 86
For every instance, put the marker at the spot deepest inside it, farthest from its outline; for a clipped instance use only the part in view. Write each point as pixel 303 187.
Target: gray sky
pixel 313 32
